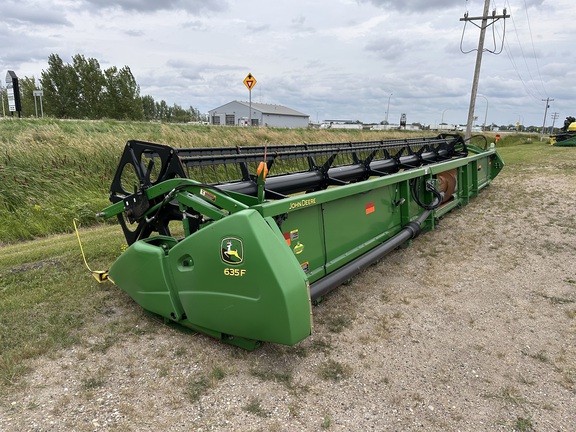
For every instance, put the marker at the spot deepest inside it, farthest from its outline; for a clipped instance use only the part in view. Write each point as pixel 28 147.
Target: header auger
pixel 236 242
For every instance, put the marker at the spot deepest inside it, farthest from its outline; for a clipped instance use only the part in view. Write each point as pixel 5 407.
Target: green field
pixel 54 171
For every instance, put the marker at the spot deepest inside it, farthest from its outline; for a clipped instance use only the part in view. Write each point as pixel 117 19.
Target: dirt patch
pixel 34 266
pixel 472 327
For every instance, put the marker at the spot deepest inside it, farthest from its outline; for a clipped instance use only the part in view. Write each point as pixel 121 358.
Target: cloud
pixel 194 7
pixel 27 13
pixel 414 6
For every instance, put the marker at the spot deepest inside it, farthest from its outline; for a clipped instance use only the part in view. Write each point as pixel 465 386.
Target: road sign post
pixel 250 82
pixel 39 94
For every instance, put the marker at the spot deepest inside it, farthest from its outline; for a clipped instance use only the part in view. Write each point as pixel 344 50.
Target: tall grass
pixel 52 171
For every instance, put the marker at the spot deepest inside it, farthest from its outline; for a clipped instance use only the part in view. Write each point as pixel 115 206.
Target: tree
pixel 122 95
pixel 91 82
pixel 61 88
pixel 163 111
pixel 27 87
pixel 83 90
pixel 149 108
pixel 180 115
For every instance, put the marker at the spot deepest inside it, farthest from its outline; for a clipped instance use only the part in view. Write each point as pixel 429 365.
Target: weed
pixel 217 373
pixel 10 370
pixel 294 410
pixel 104 345
pixel 94 381
pixel 385 297
pixel 322 345
pixel 383 327
pixel 338 324
pixel 557 300
pixel 326 422
pixel 541 357
pixel 283 377
pixel 523 380
pixel 198 386
pixel 509 394
pixel 179 352
pixel 417 397
pixel 523 424
pixel 334 371
pixel 255 407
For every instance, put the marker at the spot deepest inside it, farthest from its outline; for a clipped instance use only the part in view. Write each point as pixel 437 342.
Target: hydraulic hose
pixel 338 277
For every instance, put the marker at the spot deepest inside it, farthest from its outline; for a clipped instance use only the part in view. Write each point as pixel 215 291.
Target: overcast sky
pixel 330 59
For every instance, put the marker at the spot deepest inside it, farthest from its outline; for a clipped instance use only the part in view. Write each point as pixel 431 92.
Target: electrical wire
pixel 530 88
pixel 494 51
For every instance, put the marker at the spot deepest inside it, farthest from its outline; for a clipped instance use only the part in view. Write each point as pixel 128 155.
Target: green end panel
pixel 140 272
pixel 236 277
pixel 243 280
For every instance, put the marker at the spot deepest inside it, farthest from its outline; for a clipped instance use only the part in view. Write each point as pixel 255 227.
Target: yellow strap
pixel 99 275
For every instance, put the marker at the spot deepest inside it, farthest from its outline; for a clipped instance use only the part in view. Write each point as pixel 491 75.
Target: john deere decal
pixel 232 250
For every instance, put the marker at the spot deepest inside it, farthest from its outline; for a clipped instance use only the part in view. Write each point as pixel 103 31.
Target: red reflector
pixel 370 208
pixel 287 237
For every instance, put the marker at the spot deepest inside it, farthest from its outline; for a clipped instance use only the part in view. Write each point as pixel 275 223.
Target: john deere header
pixel 264 231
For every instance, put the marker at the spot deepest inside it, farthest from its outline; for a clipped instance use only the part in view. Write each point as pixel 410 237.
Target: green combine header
pixel 238 242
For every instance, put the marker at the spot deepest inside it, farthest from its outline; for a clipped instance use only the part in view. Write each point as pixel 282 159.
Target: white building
pixel 237 113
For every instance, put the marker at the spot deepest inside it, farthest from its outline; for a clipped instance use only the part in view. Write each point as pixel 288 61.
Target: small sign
pixel 370 208
pixel 250 81
pixel 37 93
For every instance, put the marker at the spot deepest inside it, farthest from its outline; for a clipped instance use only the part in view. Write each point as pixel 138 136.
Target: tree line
pixel 82 90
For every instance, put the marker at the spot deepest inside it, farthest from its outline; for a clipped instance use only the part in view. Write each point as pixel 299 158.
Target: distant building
pixel 237 113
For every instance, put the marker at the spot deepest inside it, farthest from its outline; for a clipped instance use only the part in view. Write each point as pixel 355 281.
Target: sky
pixel 366 60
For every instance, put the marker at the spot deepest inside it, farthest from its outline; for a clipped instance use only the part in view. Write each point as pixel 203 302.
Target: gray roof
pixel 273 109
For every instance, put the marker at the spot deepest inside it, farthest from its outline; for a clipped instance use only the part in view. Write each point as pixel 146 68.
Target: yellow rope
pixel 99 275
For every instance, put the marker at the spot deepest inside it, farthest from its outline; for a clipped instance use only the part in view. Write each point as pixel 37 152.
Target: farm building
pixel 237 113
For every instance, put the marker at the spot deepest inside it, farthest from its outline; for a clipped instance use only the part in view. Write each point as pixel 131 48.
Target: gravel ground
pixel 470 328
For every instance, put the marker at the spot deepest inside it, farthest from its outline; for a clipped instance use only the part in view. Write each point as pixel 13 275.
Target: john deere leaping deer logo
pixel 232 250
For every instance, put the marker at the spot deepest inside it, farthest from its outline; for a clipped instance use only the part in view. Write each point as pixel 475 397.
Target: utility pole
pixel 484 18
pixel 547 100
pixel 555 116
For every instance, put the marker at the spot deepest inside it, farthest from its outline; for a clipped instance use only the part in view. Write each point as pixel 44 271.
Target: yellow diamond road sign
pixel 250 81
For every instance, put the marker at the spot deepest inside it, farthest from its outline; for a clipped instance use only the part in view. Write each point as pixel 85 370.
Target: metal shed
pixel 237 113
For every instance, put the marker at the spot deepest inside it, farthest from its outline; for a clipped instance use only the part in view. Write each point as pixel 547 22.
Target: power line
pixel 531 88
pixel 534 48
pixel 484 24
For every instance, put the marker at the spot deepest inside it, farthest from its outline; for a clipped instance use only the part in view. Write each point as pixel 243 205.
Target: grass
pixel 47 279
pixel 53 171
pixel 284 377
pixel 523 424
pixel 198 386
pixel 254 406
pixel 334 371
